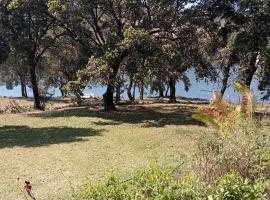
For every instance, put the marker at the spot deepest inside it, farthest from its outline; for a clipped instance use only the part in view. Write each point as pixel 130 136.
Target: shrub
pixel 232 187
pixel 245 151
pixel 112 188
pixel 157 183
pixel 241 143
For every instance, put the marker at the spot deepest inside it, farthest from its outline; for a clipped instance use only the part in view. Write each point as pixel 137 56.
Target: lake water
pixel 198 89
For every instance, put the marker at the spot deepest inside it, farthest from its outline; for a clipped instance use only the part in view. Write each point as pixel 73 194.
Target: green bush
pixel 232 187
pixel 159 184
pixel 112 188
pixel 156 184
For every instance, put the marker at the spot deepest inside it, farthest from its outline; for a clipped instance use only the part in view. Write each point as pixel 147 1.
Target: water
pixel 198 89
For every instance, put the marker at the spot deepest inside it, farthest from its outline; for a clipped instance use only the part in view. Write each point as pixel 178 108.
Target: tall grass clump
pixel 241 143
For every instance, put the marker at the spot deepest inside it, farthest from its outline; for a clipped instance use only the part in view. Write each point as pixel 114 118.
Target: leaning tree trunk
pixel 38 104
pixel 62 90
pixel 129 94
pixel 172 83
pixel 249 72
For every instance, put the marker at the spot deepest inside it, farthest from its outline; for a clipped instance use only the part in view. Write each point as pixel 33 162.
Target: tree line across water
pixel 129 44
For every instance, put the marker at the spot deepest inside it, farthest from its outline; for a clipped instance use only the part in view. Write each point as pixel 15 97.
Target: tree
pixel 29 28
pixel 102 25
pixel 4 49
pixel 62 63
pixel 14 72
pixel 244 33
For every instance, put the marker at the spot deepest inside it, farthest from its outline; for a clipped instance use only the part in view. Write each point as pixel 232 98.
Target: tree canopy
pixel 124 44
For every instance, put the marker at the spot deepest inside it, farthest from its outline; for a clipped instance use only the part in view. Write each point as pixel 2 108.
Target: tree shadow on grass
pixel 24 136
pixel 158 116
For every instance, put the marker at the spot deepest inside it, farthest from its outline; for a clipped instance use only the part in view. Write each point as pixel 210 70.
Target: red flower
pixel 27 186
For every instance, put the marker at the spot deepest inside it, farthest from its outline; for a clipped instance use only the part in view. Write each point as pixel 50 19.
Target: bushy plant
pixel 112 188
pixel 245 151
pixel 233 187
pixel 157 184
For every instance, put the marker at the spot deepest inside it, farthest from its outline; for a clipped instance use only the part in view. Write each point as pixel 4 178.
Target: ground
pixel 57 150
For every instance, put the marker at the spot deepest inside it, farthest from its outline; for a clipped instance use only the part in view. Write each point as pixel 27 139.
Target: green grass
pixel 56 149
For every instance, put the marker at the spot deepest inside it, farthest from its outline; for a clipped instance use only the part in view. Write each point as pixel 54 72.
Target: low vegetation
pixel 227 166
pixel 161 183
pixel 231 163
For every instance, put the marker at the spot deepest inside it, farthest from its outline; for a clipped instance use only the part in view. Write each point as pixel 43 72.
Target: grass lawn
pixel 58 149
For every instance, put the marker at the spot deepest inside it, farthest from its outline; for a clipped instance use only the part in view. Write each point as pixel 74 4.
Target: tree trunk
pixel 38 105
pixel 63 93
pixel 226 75
pixel 108 96
pixel 134 91
pixel 248 73
pixel 131 98
pixel 23 88
pixel 141 92
pixel 108 99
pixel 172 83
pixel 161 91
pixel 118 94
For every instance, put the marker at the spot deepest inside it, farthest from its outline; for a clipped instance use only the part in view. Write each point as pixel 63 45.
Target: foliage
pixel 156 183
pixel 233 187
pixel 159 183
pixel 222 114
pixel 240 143
pixel 246 150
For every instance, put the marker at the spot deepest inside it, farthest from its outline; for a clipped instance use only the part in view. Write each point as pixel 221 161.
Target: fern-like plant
pixel 222 114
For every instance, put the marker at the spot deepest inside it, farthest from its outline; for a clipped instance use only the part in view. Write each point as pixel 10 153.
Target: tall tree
pixel 244 29
pixel 31 30
pixel 103 23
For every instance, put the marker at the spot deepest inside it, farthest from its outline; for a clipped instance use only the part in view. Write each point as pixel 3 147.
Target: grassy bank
pixel 56 149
